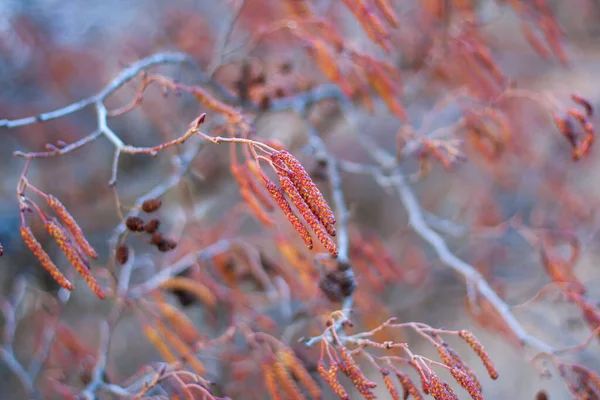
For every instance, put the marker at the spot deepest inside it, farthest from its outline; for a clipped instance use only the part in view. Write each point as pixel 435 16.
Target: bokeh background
pixel 55 52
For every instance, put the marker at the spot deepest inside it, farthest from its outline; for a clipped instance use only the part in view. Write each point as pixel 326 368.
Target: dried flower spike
pixel 480 351
pixel 151 205
pixel 279 198
pixel 36 248
pixel 135 224
pixel 72 225
pixel 65 244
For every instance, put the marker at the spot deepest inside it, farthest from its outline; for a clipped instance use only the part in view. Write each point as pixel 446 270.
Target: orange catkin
pixel 72 225
pixel 38 251
pixel 351 369
pixel 330 376
pixel 154 337
pixel 286 382
pixel 458 361
pixel 387 379
pixel 480 351
pixel 388 12
pixel 279 198
pixel 466 382
pixel 270 381
pixel 311 219
pixel 295 365
pixel 307 189
pixel 65 244
pixel 196 288
pixel 408 386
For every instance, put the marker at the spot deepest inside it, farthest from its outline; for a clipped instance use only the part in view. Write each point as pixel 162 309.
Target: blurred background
pixel 55 52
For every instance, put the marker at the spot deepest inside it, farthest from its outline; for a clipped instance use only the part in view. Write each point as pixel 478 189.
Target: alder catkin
pixel 480 351
pixel 330 376
pixel 408 386
pixel 286 382
pixel 65 244
pixel 307 189
pixel 349 367
pixel 387 379
pixel 270 381
pixel 283 204
pixel 466 382
pixel 188 285
pixel 307 214
pixel 72 225
pixel 289 359
pixel 464 367
pixel 440 390
pixel 36 248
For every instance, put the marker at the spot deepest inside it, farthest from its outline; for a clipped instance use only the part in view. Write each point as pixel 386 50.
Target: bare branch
pixel 125 76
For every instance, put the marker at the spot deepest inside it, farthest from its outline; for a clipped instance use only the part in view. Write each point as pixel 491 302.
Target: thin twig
pixel 125 76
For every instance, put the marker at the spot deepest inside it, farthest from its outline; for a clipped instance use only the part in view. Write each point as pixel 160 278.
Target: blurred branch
pixel 102 114
pixel 7 355
pixel 472 276
pixel 417 219
pixel 178 267
pixel 182 164
pixel 125 76
pixel 101 361
pixel 224 38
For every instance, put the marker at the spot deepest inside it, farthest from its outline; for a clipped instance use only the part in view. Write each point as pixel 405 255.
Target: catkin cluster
pixel 71 240
pixel 306 197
